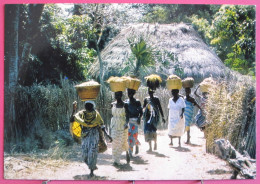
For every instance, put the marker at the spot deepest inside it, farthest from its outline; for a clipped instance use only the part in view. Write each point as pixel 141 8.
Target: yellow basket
pixel 132 83
pixel 88 90
pixel 117 86
pixel 188 82
pixel 173 82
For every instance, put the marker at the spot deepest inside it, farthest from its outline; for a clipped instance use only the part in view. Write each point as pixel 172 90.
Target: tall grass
pixel 230 112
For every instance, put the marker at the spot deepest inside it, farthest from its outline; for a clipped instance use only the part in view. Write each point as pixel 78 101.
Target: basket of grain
pixel 132 83
pixel 173 82
pixel 117 84
pixel 88 90
pixel 188 82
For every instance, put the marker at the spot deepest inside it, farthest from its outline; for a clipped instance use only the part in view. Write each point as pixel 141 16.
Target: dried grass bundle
pixel 153 81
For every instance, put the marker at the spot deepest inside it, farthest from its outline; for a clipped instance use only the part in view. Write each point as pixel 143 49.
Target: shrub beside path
pixel 189 162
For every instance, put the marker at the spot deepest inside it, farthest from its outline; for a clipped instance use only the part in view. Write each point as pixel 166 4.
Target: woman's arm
pixel 160 109
pixel 182 112
pixel 106 134
pixel 126 115
pixel 195 92
pixel 140 112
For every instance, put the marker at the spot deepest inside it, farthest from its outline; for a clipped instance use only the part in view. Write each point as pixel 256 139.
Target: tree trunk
pixel 33 26
pixel 11 59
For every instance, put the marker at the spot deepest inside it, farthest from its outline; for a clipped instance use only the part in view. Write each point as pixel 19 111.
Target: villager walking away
pixel 176 106
pixel 190 103
pixel 135 114
pixel 152 111
pixel 88 126
pixel 204 86
pixel 119 121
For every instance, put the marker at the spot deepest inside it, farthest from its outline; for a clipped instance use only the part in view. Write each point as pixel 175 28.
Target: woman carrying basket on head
pixel 204 86
pixel 190 104
pixel 152 111
pixel 92 126
pixel 176 106
pixel 135 113
pixel 119 121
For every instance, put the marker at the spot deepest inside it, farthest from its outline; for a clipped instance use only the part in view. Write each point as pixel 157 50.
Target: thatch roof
pixel 195 57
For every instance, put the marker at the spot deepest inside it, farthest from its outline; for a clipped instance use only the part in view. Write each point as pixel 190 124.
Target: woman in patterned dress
pixel 135 113
pixel 152 108
pixel 91 122
pixel 189 111
pixel 119 129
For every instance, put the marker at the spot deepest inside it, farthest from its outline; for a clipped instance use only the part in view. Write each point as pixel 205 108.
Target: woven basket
pixel 134 84
pixel 188 82
pixel 88 90
pixel 173 82
pixel 117 86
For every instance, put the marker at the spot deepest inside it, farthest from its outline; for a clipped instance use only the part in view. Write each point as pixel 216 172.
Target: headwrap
pixel 91 102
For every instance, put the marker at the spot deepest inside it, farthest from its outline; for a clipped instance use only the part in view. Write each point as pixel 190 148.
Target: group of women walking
pixel 127 115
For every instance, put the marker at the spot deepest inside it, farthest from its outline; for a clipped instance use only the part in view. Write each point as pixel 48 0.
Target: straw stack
pixel 206 84
pixel 88 90
pixel 174 82
pixel 153 81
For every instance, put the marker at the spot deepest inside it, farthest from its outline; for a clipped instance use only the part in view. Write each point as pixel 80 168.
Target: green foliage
pixel 175 13
pixel 143 53
pixel 232 35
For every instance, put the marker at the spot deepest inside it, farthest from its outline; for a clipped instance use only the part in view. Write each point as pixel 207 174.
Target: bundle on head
pixel 132 82
pixel 173 82
pixel 153 81
pixel 188 82
pixel 207 84
pixel 88 90
pixel 117 84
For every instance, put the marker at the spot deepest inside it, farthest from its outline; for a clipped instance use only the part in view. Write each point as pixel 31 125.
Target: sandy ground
pixel 188 162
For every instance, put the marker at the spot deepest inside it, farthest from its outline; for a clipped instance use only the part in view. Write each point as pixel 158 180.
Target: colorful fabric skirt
pixel 133 133
pixel 89 147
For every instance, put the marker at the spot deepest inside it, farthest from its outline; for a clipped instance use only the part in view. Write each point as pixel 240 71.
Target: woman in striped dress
pixel 189 112
pixel 119 129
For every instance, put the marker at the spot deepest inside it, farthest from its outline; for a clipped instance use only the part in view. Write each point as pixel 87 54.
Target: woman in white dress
pixel 176 125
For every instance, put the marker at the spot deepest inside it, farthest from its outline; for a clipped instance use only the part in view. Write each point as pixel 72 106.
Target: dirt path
pixel 189 162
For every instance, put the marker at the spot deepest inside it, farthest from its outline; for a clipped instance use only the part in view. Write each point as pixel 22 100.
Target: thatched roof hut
pixel 195 57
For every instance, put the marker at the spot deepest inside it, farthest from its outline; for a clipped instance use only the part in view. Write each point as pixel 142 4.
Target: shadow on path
pixel 88 177
pixel 156 154
pixel 139 160
pixel 194 145
pixel 181 149
pixel 124 168
pixel 219 172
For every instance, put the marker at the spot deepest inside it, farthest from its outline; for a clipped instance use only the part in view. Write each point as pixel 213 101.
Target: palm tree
pixel 142 51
